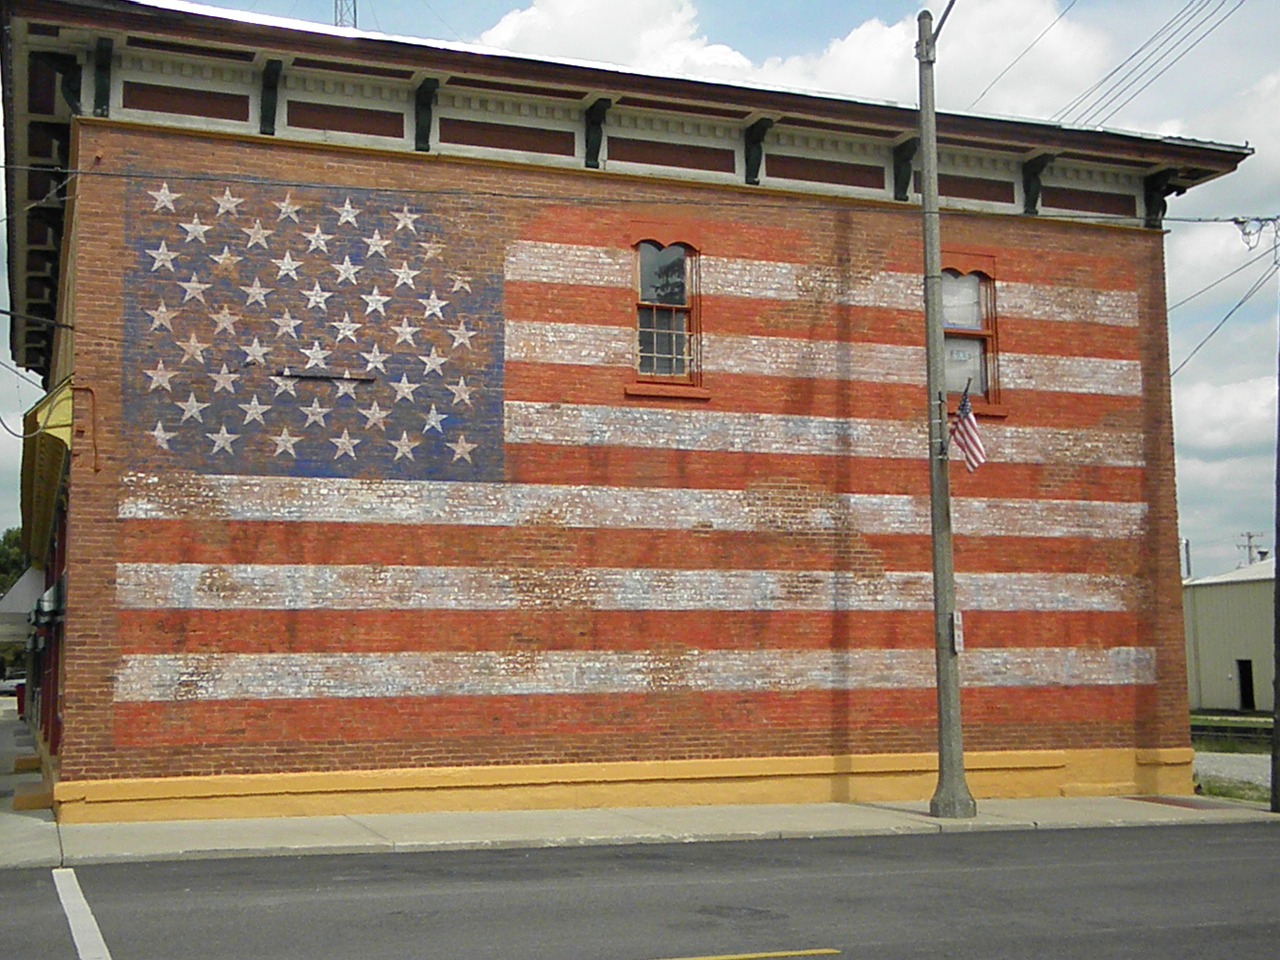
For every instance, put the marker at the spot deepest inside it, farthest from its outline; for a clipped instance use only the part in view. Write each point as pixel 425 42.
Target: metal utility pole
pixel 952 798
pixel 344 13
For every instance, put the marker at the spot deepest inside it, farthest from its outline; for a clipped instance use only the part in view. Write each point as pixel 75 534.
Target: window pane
pixel 965 360
pixel 662 339
pixel 662 274
pixel 962 301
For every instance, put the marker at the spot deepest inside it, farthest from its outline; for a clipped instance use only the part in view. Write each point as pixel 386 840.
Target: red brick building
pixel 443 429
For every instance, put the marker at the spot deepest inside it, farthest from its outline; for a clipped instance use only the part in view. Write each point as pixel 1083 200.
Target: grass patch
pixel 1233 789
pixel 1203 744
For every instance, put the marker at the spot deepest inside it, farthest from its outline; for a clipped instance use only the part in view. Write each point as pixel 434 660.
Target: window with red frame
pixel 665 328
pixel 969 333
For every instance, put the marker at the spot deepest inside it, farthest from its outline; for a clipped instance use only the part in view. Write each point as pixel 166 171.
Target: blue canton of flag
pixel 308 332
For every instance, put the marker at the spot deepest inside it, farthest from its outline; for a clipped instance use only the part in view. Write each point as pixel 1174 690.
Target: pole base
pixel 953 805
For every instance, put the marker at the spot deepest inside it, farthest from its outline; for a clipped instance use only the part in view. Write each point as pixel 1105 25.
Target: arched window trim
pixel 984 337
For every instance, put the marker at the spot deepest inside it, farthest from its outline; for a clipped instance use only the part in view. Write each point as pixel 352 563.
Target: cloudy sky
pixel 1226 87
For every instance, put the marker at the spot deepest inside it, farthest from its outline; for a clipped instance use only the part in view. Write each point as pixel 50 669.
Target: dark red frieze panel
pixel 549 92
pixel 191 49
pixel 326 116
pixel 158 98
pixel 1089 201
pixel 308 63
pixel 506 136
pixel 671 154
pixel 825 171
pixel 972 188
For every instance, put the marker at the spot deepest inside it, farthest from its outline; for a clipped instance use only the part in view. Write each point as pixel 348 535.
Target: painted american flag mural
pixel 300 332
pixel 459 537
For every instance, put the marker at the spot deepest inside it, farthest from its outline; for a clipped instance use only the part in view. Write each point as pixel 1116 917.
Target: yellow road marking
pixel 820 952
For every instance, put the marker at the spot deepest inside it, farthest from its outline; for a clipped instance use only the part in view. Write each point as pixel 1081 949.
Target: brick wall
pixel 603 576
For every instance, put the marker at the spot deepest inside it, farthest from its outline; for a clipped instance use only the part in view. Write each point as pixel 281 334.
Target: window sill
pixel 683 391
pixel 981 408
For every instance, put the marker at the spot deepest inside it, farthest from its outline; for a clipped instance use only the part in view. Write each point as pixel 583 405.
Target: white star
pixel 317 297
pixel 160 377
pixel 225 380
pixel 405 332
pixel 346 386
pixel 227 203
pixel 288 211
pixel 345 444
pixel 376 359
pixel 461 335
pixel 253 410
pixel 404 276
pixel 193 349
pixel 346 213
pixel 256 352
pixel 346 328
pixel 194 289
pixel 346 270
pixel 287 266
pixel 224 319
pixel 163 257
pixel 404 446
pixel 404 219
pixel 374 301
pixel 315 413
pixel 286 324
pixel 404 389
pixel 461 449
pixel 164 201
pixel 431 249
pixel 375 416
pixel 226 259
pixel 284 443
pixel 257 235
pixel 285 383
pixel 459 283
pixel 435 420
pixel 162 316
pixel 191 408
pixel 160 434
pixel 223 440
pixel 434 363
pixel 315 356
pixel 461 392
pixel 256 293
pixel 318 240
pixel 195 229
pixel 433 305
pixel 376 245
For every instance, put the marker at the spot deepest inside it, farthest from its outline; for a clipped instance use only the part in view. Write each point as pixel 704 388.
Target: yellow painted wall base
pixel 847 779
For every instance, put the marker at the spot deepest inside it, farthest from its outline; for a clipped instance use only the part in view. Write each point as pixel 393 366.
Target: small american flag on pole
pixel 964 431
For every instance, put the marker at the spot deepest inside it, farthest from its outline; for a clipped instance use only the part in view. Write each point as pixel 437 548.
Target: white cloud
pixel 1216 422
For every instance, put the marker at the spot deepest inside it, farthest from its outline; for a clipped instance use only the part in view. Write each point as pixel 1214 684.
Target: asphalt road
pixel 1169 892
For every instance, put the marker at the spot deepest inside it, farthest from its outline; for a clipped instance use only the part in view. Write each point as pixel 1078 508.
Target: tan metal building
pixel 1230 625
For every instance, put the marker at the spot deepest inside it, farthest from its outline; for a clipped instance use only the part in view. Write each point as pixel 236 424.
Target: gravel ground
pixel 1247 767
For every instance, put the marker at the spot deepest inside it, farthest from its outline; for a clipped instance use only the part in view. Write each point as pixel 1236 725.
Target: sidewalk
pixel 33 839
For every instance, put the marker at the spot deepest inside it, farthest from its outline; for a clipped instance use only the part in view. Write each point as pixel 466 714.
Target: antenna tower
pixel 344 13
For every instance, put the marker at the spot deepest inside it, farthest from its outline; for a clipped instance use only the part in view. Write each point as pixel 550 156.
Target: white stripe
pixel 590 345
pixel 194 586
pixel 658 428
pixel 291 676
pixel 84 928
pixel 766 506
pixel 580 265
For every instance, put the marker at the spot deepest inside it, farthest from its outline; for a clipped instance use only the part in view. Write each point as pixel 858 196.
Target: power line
pixel 1014 62
pixel 1221 279
pixel 1172 63
pixel 1270 272
pixel 1100 83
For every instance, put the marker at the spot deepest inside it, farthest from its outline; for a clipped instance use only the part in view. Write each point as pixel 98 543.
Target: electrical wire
pixel 1270 272
pixel 1124 103
pixel 1222 279
pixel 1014 62
pixel 1165 48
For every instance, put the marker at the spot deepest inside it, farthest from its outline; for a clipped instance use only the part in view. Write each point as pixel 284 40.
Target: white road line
pixel 84 928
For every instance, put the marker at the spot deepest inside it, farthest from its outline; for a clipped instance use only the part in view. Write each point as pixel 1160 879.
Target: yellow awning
pixel 46 444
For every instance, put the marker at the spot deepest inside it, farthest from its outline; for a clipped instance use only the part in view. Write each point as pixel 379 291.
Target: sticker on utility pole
pixel 957 632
